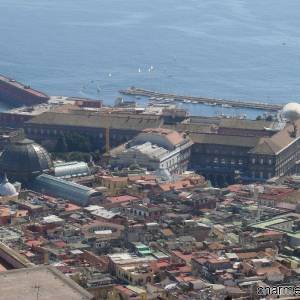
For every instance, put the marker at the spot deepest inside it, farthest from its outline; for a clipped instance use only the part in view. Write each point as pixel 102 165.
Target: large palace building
pixel 248 151
pixel 223 150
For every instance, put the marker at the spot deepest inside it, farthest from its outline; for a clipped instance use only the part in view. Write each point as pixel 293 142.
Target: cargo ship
pixel 14 93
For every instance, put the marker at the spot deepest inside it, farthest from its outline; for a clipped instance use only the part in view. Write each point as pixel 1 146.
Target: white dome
pixel 291 111
pixel 6 188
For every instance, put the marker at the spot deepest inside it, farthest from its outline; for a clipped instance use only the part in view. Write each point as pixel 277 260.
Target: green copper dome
pixel 24 160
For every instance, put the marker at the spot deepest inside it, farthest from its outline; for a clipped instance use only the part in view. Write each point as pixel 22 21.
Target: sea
pixel 232 49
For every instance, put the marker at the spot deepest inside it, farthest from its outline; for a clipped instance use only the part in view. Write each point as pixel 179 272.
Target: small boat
pixel 195 102
pixel 226 105
pixel 139 70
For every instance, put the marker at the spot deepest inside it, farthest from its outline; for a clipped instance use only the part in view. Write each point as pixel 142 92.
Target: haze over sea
pixel 235 49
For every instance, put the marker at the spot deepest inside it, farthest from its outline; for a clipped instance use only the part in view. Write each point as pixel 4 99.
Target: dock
pixel 133 91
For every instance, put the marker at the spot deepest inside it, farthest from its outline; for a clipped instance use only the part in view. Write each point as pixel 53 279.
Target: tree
pixel 61 145
pixel 78 156
pixel 78 142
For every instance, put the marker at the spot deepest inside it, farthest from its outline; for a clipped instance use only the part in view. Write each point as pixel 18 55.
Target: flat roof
pixel 47 281
pixel 263 225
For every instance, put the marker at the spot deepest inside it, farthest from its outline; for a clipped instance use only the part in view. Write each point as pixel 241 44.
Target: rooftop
pixel 172 136
pixel 278 141
pixel 97 120
pixel 247 124
pixel 227 140
pixel 47 281
pixel 268 223
pixel 149 149
pixel 121 199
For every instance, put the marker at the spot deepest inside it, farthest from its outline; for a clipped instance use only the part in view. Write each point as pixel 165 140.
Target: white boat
pixel 226 105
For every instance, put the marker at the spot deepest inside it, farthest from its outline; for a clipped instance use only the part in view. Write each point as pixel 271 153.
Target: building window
pixel 253 161
pixel 232 162
pixel 240 161
pixel 261 174
pixel 261 161
pixel 216 160
pixel 253 174
pixel 223 161
pixel 270 161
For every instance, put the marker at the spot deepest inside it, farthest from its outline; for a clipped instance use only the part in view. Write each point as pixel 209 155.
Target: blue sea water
pixel 235 49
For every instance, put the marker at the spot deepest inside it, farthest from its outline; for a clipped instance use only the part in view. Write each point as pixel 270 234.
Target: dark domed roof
pixel 24 159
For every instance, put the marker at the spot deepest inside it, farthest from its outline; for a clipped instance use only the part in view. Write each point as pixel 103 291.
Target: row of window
pixel 261 161
pixel 261 174
pixel 223 161
pixel 217 151
pixel 171 163
pixel 61 132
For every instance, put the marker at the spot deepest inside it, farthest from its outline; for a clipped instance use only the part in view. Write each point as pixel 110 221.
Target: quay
pixel 202 100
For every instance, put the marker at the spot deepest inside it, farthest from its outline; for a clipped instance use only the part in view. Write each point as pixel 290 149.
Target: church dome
pixel 6 188
pixel 24 160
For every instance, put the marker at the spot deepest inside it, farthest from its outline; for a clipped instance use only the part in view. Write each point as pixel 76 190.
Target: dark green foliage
pixel 61 145
pixel 78 142
pixel 73 156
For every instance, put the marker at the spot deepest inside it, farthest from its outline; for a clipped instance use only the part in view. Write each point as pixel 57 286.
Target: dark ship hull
pixel 14 93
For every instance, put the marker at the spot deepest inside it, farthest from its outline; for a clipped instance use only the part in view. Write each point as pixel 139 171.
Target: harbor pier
pixel 202 100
